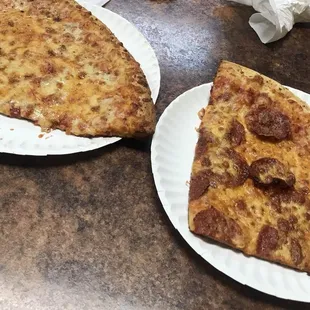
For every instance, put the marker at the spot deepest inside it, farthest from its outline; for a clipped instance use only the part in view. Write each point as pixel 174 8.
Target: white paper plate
pixel 172 155
pixel 24 138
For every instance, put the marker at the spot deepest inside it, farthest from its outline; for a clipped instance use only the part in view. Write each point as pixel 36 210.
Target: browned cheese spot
pixel 257 79
pixel 201 113
pixel 223 90
pixel 205 161
pixel 262 99
pixel 82 75
pixel 59 85
pixel 96 108
pixel 241 205
pixel 241 208
pixel 28 76
pixel 246 96
pixel 15 111
pixel 48 68
pixel 51 99
pixel 14 78
pixel 51 53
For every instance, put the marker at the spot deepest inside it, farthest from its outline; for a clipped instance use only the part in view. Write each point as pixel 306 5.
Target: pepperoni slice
pixel 268 122
pixel 225 167
pixel 296 252
pixel 199 184
pixel 270 171
pixel 279 195
pixel 215 224
pixel 205 138
pixel 236 133
pixel 239 167
pixel 267 240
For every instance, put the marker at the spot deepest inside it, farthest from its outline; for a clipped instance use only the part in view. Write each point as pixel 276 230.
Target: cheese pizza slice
pixel 250 178
pixel 60 67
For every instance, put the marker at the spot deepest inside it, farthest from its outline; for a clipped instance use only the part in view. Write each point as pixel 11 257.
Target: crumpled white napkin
pixel 275 18
pixel 98 2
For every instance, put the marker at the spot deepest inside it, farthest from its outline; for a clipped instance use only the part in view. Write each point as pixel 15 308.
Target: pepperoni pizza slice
pixel 250 178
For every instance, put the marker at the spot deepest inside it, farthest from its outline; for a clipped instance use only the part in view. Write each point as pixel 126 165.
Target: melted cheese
pixel 69 72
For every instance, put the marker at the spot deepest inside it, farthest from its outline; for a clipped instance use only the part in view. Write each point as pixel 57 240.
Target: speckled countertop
pixel 88 231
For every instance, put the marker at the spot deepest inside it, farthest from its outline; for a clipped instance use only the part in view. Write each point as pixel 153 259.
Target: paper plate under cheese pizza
pixel 62 68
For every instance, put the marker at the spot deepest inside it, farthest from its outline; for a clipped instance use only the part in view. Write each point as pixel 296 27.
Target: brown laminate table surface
pixel 88 231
